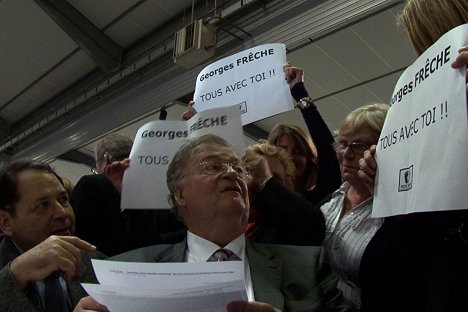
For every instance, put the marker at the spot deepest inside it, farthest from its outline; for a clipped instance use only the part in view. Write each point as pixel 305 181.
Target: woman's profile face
pixel 351 150
pixel 297 155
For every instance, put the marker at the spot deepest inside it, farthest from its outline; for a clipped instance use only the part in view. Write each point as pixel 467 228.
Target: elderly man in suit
pixel 42 264
pixel 208 190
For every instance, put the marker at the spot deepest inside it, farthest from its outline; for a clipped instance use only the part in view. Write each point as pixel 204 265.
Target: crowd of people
pixel 296 209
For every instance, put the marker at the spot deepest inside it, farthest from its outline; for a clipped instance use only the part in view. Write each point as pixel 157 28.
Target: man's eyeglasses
pixel 212 167
pixel 94 169
pixel 356 148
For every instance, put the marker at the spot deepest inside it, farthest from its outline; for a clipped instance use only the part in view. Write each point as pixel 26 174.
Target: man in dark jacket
pixel 38 251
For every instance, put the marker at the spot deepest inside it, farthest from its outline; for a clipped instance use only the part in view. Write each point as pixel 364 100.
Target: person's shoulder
pixel 144 254
pixel 92 178
pixel 93 182
pixel 290 251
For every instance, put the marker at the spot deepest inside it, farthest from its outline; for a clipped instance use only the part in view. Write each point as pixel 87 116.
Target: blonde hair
pixel 371 116
pixel 68 185
pixel 264 148
pixel 427 20
pixel 303 141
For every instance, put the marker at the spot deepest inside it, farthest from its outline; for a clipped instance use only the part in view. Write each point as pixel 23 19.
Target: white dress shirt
pixel 200 249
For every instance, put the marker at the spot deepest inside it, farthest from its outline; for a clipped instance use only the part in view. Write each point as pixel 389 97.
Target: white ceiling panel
pixel 102 12
pixel 384 87
pixel 139 22
pixel 172 8
pixel 19 60
pixel 9 89
pixel 160 14
pixel 355 97
pixel 17 77
pixel 290 117
pixel 125 32
pixel 332 111
pixel 353 55
pixel 38 50
pixel 77 66
pixel 392 47
pixel 327 73
pixel 50 85
pixel 70 170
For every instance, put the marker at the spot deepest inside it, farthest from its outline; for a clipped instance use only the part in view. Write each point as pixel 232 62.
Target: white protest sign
pixel 144 182
pixel 252 79
pixel 423 148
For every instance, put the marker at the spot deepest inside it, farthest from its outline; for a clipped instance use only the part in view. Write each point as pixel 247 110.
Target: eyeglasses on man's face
pixel 96 164
pixel 213 167
pixel 355 147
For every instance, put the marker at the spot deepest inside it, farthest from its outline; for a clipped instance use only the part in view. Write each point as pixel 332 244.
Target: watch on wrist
pixel 304 102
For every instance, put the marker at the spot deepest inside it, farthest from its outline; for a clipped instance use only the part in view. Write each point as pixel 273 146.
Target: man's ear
pixel 179 197
pixel 6 223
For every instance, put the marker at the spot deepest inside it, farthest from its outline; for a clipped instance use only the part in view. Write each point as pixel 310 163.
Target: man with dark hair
pixel 38 250
pixel 96 201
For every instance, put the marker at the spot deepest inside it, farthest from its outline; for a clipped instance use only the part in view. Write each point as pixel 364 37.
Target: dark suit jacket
pixel 286 217
pixel 100 221
pixel 13 299
pixel 290 278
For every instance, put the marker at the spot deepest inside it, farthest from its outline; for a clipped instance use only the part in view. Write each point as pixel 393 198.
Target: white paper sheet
pixel 211 298
pixel 252 79
pixel 141 287
pixel 423 149
pixel 166 275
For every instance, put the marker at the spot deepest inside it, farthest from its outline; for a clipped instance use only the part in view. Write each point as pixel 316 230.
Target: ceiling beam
pixel 4 127
pixel 102 49
pixel 78 157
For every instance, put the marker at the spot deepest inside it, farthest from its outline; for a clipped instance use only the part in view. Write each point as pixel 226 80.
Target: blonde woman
pixel 418 262
pixel 278 214
pixel 349 224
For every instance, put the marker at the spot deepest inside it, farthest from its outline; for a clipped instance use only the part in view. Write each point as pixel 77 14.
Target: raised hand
pixel 190 112
pixel 367 168
pixel 115 172
pixel 56 253
pixel 293 74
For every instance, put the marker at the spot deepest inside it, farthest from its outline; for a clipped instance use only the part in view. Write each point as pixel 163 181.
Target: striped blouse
pixel 346 239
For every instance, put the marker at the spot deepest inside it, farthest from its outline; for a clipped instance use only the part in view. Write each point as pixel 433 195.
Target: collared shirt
pixel 40 286
pixel 346 240
pixel 200 249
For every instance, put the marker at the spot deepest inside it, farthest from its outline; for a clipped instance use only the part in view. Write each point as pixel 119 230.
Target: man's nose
pixel 229 168
pixel 60 210
pixel 348 152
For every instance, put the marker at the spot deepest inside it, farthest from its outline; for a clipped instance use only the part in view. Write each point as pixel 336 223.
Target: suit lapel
pixel 84 275
pixel 174 253
pixel 265 271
